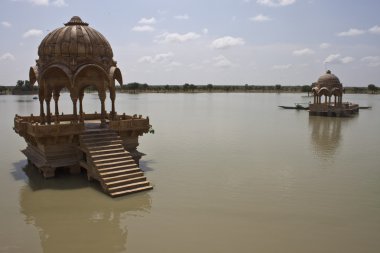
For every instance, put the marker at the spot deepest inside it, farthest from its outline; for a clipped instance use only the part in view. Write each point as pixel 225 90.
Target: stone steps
pixel 118 173
pixel 125 192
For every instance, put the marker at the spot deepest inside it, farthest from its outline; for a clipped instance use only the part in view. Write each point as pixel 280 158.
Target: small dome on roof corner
pixel 329 81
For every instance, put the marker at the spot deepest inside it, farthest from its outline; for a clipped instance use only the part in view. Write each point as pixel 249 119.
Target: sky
pixel 222 42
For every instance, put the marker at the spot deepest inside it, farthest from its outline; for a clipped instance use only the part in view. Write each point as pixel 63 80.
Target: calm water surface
pixel 232 173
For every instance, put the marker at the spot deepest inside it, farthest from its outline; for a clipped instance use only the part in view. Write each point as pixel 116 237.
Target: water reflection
pixel 71 217
pixel 325 135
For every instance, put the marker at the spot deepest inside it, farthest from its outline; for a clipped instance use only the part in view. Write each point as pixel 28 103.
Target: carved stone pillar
pixel 48 114
pixel 102 97
pixel 42 113
pixel 56 98
pixel 74 99
pixel 81 95
pixel 113 96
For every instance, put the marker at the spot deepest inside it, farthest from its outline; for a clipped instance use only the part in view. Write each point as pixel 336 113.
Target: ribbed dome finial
pixel 76 20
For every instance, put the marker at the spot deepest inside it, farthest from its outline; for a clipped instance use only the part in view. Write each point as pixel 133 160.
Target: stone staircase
pixel 107 161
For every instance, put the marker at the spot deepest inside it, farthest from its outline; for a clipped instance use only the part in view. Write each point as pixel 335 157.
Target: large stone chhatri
pixel 73 58
pixel 328 86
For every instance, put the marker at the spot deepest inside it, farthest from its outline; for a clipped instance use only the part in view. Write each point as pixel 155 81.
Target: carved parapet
pixel 132 124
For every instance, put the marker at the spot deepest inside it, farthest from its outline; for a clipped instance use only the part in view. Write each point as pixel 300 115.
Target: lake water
pixel 231 173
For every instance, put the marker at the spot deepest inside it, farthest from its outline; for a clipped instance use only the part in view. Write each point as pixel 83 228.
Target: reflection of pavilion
pixel 75 57
pixel 71 222
pixel 325 135
pixel 328 86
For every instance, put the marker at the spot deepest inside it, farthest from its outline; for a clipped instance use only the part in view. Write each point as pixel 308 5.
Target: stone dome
pixel 329 81
pixel 75 44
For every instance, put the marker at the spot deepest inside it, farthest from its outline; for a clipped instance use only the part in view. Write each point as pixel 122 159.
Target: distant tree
pixel 209 87
pixel 278 87
pixel 133 86
pixel 192 87
pixel 306 88
pixel 20 83
pixel 144 86
pixel 372 88
pixel 186 87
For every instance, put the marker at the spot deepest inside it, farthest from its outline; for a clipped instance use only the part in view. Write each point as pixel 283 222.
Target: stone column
pixel 81 95
pixel 113 96
pixel 74 99
pixel 48 114
pixel 102 97
pixel 56 111
pixel 42 113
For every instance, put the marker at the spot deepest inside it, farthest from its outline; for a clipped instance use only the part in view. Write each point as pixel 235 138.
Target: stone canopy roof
pixel 329 81
pixel 75 44
pixel 328 84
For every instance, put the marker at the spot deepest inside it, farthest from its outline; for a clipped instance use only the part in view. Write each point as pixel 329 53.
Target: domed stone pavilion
pixel 328 86
pixel 73 58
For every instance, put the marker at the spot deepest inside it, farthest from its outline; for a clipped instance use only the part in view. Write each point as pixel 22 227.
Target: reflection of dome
pixel 75 217
pixel 76 41
pixel 325 135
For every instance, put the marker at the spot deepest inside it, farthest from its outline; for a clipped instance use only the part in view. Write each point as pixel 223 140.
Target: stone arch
pixel 114 74
pixel 92 75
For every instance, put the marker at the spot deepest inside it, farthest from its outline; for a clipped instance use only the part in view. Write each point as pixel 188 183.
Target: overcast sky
pixel 223 42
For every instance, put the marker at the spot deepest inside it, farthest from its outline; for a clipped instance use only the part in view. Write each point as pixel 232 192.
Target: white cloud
pixel 282 67
pixel 338 59
pixel 32 33
pixel 222 62
pixel 143 28
pixel 7 56
pixel 205 31
pixel 176 37
pixel 347 59
pixel 371 61
pixel 351 32
pixel 275 3
pixel 226 42
pixel 332 58
pixel 324 45
pixel 147 21
pixel 6 24
pixel 260 18
pixel 158 58
pixel 40 2
pixel 305 51
pixel 57 3
pixel 183 17
pixel 375 29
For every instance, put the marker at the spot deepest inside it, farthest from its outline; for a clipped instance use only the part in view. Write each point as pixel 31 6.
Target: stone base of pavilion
pixel 103 145
pixel 333 110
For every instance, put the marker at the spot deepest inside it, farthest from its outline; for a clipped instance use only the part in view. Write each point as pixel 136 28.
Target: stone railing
pixel 129 123
pixel 326 107
pixel 31 125
pixel 69 124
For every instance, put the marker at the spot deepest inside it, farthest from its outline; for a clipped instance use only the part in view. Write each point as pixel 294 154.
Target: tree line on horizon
pixel 24 87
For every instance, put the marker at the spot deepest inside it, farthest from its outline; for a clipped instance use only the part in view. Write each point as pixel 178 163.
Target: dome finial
pixel 76 20
pixel 328 72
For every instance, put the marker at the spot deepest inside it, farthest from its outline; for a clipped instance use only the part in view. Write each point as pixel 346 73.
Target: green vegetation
pixel 24 87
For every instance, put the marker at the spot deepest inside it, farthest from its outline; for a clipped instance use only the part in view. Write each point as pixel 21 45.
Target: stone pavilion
pixel 73 58
pixel 328 94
